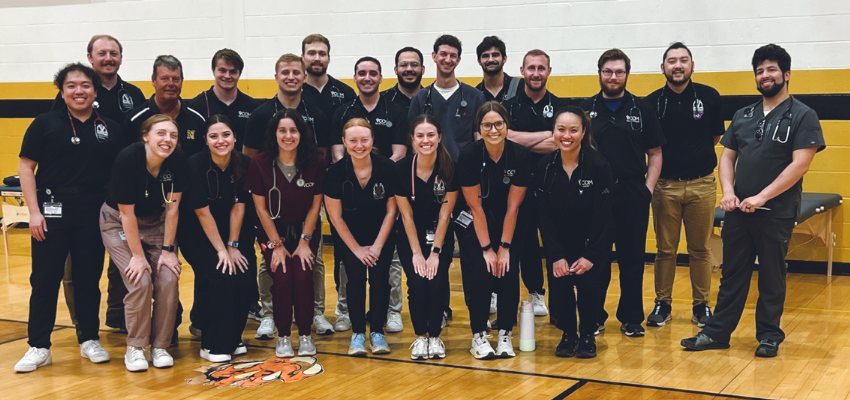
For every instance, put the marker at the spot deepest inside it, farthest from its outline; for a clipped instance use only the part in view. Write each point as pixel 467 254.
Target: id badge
pixel 122 236
pixel 464 219
pixel 429 237
pixel 52 210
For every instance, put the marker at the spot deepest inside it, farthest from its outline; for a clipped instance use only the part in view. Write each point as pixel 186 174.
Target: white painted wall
pixel 37 41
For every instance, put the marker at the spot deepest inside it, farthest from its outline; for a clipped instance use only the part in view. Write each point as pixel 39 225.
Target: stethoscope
pixel 555 159
pixel 429 105
pixel 548 110
pixel 274 189
pixel 378 191
pixel 306 116
pixel 388 123
pixel 217 187
pixel 163 178
pixel 506 179
pixel 697 106
pixel 100 131
pixel 125 102
pixel 749 112
pixel 439 184
pixel 631 118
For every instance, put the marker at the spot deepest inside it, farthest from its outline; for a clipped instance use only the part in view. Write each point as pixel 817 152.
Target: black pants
pixel 478 283
pixel 630 209
pixel 746 236
pixel 426 298
pixel 526 240
pixel 563 293
pixel 82 240
pixel 378 278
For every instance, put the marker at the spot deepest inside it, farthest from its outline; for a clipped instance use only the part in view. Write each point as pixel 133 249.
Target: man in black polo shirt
pixel 768 148
pixel 691 116
pixel 497 84
pixel 224 97
pixel 408 68
pixel 327 91
pixel 167 82
pixel 629 136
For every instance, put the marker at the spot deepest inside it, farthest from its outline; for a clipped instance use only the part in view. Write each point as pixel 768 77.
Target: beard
pixel 613 92
pixel 322 72
pixel 410 85
pixel 493 72
pixel 674 81
pixel 773 90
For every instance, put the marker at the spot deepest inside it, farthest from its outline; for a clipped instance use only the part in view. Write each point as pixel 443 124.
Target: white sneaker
pixel 266 330
pixel 419 348
pixel 436 348
pixel 321 325
pixel 505 347
pixel 34 358
pixel 160 358
pixel 394 324
pixel 92 350
pixel 306 347
pixel 538 305
pixel 481 348
pixel 283 349
pixel 240 350
pixel 134 359
pixel 493 303
pixel 216 358
pixel 343 322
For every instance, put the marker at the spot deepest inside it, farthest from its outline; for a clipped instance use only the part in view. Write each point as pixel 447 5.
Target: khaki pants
pixel 691 203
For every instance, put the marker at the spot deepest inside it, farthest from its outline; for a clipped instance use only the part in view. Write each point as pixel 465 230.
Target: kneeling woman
pixel 494 173
pixel 359 197
pixel 426 193
pixel 573 187
pixel 286 183
pixel 138 225
pixel 216 235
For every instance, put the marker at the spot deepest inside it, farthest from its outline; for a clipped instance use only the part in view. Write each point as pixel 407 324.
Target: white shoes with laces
pixel 394 324
pixel 34 358
pixel 94 352
pixel 134 359
pixel 538 305
pixel 419 348
pixel 505 347
pixel 481 348
pixel 266 330
pixel 160 358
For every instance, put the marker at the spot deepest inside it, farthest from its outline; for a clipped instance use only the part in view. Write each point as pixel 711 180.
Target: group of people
pixel 403 176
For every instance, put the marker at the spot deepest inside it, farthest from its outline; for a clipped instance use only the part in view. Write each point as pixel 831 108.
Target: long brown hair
pixel 235 158
pixel 445 166
pixel 306 150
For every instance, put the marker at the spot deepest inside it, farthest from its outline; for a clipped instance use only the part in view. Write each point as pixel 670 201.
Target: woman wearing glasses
pixel 286 184
pixel 426 192
pixel 216 236
pixel 138 225
pixel 573 187
pixel 359 197
pixel 494 173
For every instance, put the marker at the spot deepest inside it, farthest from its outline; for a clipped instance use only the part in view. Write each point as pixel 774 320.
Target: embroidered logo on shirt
pixel 244 114
pixel 510 172
pixel 632 119
pixel 378 191
pixel 190 135
pixel 338 95
pixel 585 183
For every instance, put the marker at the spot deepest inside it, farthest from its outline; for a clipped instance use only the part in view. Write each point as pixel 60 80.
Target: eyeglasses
pixel 760 130
pixel 608 73
pixel 411 64
pixel 486 126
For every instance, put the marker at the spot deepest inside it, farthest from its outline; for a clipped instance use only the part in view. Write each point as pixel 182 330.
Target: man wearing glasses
pixel 767 149
pixel 409 69
pixel 628 134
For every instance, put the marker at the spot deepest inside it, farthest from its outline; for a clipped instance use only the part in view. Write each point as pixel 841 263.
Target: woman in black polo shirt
pixel 138 225
pixel 493 173
pixel 216 236
pixel 359 197
pixel 572 187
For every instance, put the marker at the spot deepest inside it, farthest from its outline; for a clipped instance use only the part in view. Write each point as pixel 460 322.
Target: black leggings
pixel 526 239
pixel 563 298
pixel 378 277
pixel 426 298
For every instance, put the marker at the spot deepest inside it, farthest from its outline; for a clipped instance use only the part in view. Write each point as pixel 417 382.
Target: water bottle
pixel 526 327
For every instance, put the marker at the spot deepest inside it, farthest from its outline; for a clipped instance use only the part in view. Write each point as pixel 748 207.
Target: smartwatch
pixel 273 243
pixel 506 245
pixel 487 247
pixel 233 244
pixel 171 248
pixel 306 237
pixel 436 250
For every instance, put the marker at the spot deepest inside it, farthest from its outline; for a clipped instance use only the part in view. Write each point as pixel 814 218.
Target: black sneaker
pixel 767 348
pixel 255 312
pixel 702 342
pixel 631 329
pixel 448 313
pixel 660 314
pixel 567 347
pixel 586 347
pixel 701 314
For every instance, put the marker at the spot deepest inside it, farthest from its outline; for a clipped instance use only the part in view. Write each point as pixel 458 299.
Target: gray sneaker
pixel 92 350
pixel 266 330
pixel 343 322
pixel 306 347
pixel 702 342
pixel 283 349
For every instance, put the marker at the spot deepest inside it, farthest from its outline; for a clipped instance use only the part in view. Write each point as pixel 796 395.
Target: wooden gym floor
pixel 814 362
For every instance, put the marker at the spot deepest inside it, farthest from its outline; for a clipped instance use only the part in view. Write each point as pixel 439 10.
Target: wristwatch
pixel 506 245
pixel 487 247
pixel 306 237
pixel 436 250
pixel 233 244
pixel 273 243
pixel 171 248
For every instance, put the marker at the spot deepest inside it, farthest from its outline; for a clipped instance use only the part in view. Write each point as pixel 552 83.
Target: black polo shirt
pixel 623 136
pixel 527 116
pixel 259 120
pixel 132 183
pixel 689 151
pixel 363 209
pixel 333 95
pixel 396 96
pixel 388 120
pixel 208 104
pixel 790 126
pixel 113 103
pixel 430 194
pixel 191 126
pixel 502 96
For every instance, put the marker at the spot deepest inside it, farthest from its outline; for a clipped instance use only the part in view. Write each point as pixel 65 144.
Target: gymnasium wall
pixel 37 37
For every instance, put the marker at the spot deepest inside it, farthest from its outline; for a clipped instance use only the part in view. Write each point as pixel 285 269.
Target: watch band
pixel 487 247
pixel 506 245
pixel 169 248
pixel 233 244
pixel 273 243
pixel 436 250
pixel 306 237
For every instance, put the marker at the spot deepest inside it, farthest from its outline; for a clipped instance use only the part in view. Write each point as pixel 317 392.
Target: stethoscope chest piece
pixel 300 182
pixel 593 114
pixel 463 103
pixel 75 140
pixel 506 179
pixel 547 111
pixel 389 124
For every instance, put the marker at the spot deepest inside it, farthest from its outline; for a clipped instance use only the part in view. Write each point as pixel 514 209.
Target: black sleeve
pixel 199 104
pixel 402 177
pixel 808 132
pixel 135 94
pixel 653 135
pixel 243 195
pixel 130 130
pixel 177 164
pixel 323 129
pixel 468 168
pixel 58 102
pixel 32 146
pixel 387 171
pixel 125 176
pixel 336 126
pixel 255 129
pixel 332 187
pixel 454 186
pixel 600 232
pixel 717 124
pixel 195 191
pixel 552 247
pixel 348 91
pixel 415 106
pixel 523 166
pixel 401 126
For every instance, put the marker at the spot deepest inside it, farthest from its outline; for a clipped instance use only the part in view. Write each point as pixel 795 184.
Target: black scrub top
pixel 430 194
pixel 527 116
pixel 514 166
pixel 396 96
pixel 113 103
pixel 333 95
pixel 760 161
pixel 689 151
pixel 388 120
pixel 575 211
pixel 208 104
pixel 457 122
pixel 623 136
pixel 208 186
pixel 363 209
pixel 191 126
pixel 132 183
pixel 502 96
pixel 312 114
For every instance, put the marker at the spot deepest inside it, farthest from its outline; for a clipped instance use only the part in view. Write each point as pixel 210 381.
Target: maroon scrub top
pixel 295 201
